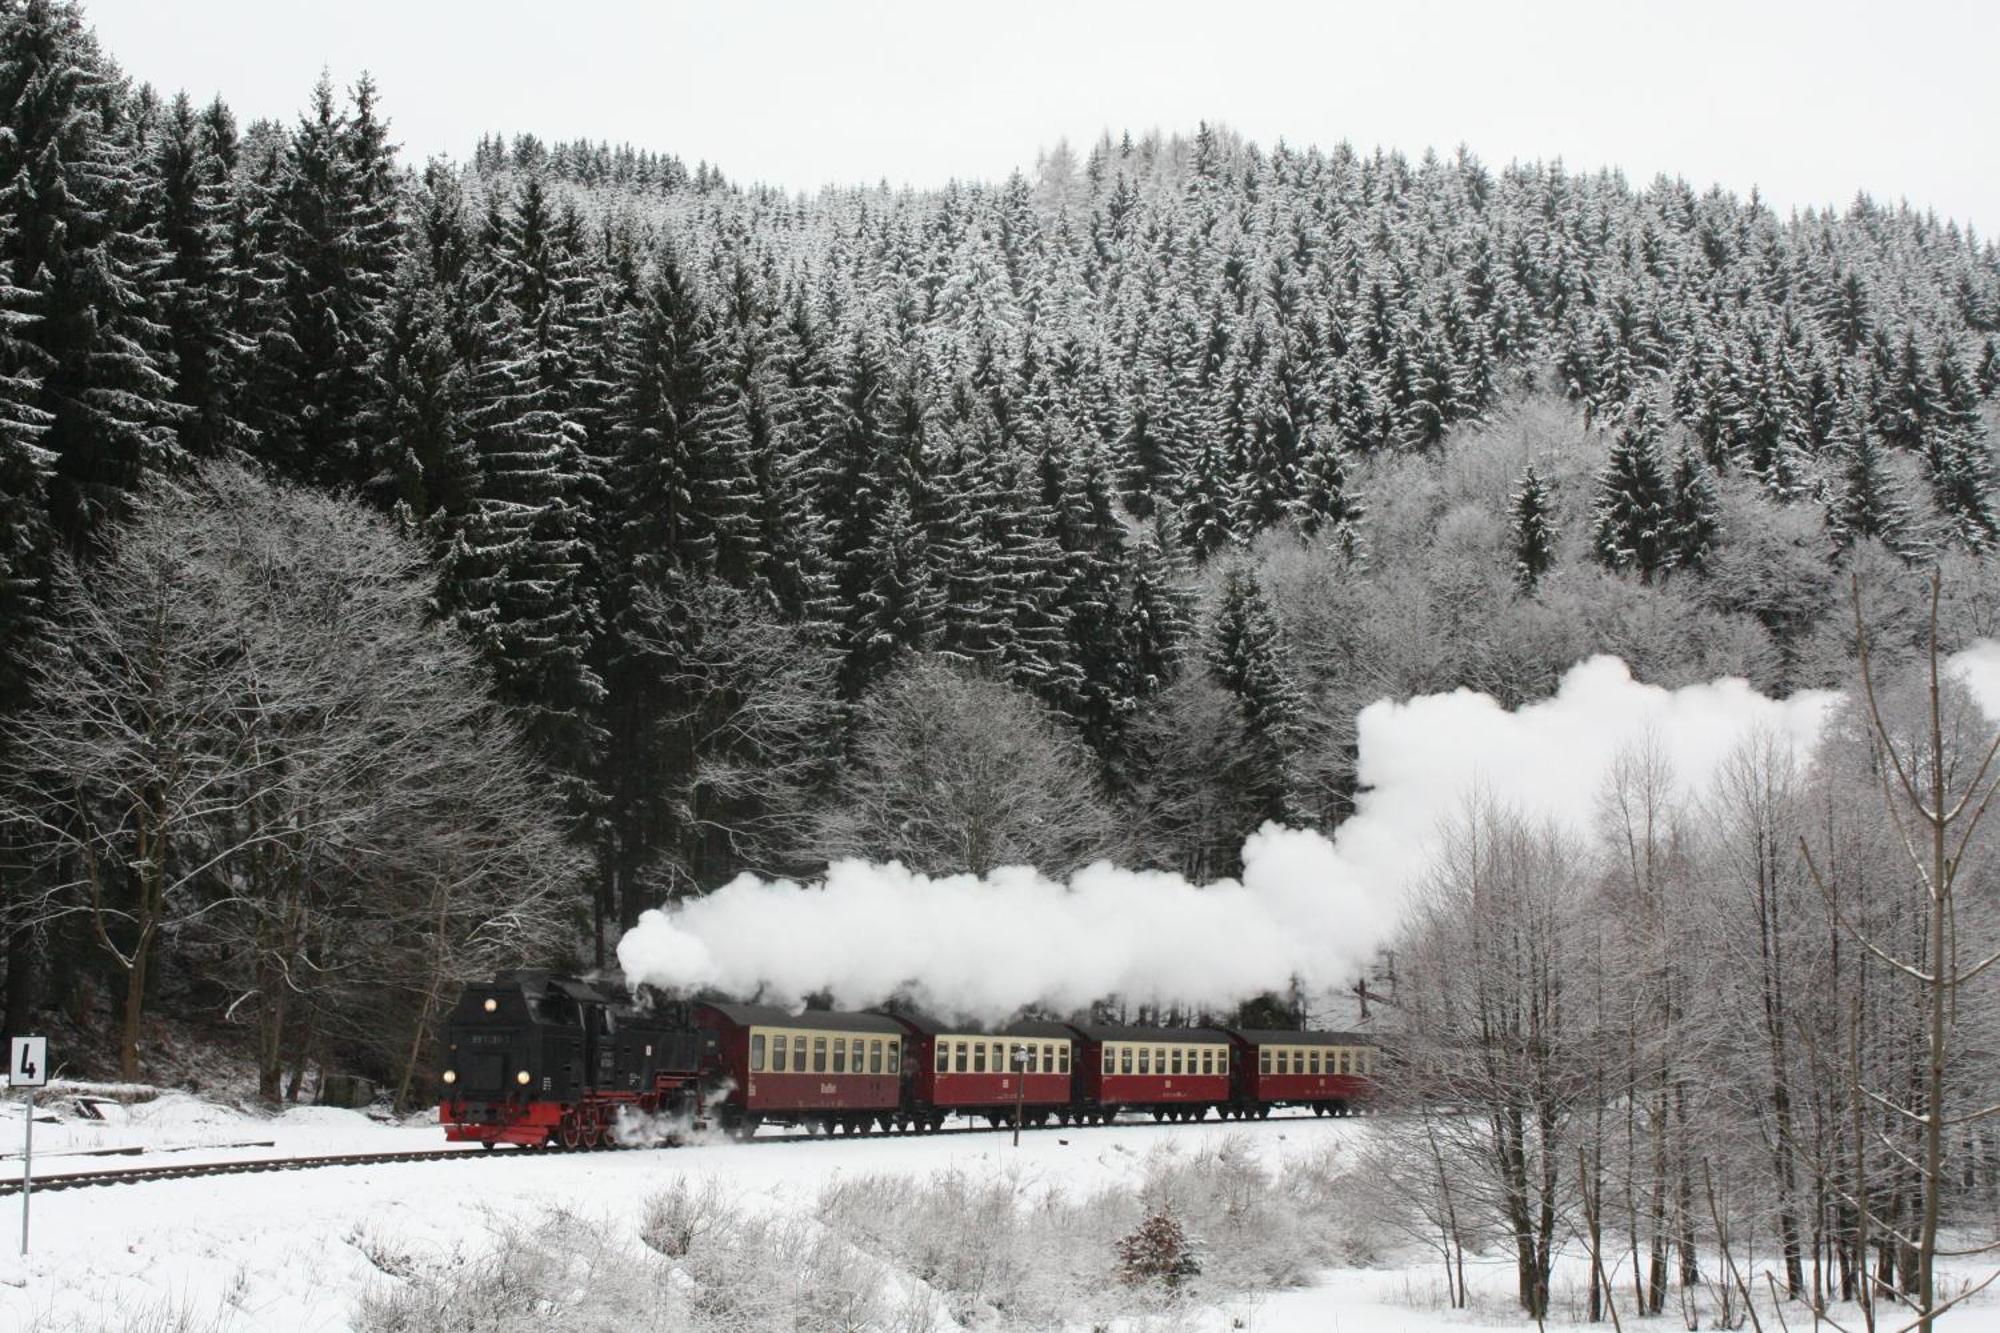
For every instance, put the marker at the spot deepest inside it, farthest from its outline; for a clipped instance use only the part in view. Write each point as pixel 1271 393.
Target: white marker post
pixel 28 1067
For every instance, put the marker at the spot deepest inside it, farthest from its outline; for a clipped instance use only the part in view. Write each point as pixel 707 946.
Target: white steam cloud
pixel 1307 906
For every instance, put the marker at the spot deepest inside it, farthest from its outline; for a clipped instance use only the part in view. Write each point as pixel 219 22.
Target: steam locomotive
pixel 537 1060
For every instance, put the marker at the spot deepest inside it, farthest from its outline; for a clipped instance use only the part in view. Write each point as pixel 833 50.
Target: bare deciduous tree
pixel 1938 783
pixel 952 772
pixel 249 731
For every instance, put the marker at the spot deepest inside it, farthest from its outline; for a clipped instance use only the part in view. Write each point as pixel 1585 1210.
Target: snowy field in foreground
pixel 296 1251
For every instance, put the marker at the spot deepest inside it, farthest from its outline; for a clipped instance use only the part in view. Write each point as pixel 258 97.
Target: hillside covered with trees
pixel 1068 516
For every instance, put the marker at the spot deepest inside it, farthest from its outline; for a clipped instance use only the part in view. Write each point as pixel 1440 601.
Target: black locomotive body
pixel 534 1059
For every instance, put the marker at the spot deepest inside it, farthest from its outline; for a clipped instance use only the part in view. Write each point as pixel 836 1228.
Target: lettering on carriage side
pixel 828 1089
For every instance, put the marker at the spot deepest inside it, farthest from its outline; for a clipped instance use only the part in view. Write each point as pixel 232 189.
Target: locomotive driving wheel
pixel 570 1131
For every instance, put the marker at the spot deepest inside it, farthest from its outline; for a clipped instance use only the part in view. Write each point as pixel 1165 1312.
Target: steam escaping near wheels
pixel 1306 906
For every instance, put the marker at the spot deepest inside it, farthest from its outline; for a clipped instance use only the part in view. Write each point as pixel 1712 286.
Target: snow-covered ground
pixel 297 1251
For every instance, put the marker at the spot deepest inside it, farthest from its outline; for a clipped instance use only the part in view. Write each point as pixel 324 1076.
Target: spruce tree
pixel 1695 527
pixel 1865 502
pixel 1531 513
pixel 1986 377
pixel 69 188
pixel 1328 506
pixel 516 571
pixel 1245 657
pixel 190 210
pixel 331 256
pixel 1159 618
pixel 1633 525
pixel 1956 459
pixel 25 468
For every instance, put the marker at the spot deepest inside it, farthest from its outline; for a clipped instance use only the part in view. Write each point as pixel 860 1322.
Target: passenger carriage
pixel 960 1070
pixel 1333 1073
pixel 822 1070
pixel 1173 1073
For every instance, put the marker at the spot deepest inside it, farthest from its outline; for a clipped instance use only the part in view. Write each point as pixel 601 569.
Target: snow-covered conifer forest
pixel 413 569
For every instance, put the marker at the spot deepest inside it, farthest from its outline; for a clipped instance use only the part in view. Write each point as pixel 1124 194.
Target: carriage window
pixel 960 1066
pixel 874 1057
pixel 941 1057
pixel 1177 1059
pixel 1110 1060
pixel 799 1054
pixel 1264 1060
pixel 1062 1058
pixel 1145 1059
pixel 819 1055
pixel 778 1049
pixel 896 1055
pixel 1208 1060
pixel 840 1054
pixel 978 1057
pixel 757 1053
pixel 1125 1061
pixel 1312 1062
pixel 1368 1062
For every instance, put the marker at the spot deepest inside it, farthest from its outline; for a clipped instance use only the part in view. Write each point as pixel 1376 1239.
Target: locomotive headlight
pixel 492 1006
pixel 523 1077
pixel 451 1076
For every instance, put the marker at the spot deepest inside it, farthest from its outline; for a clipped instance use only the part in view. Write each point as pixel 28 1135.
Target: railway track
pixel 139 1175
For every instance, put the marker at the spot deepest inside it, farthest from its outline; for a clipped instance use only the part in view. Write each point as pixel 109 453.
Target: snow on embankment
pixel 1307 905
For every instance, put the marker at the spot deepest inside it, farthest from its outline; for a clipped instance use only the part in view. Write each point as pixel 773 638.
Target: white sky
pixel 1809 101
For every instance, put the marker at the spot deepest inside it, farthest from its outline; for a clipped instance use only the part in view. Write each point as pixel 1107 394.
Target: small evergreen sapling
pixel 1158 1252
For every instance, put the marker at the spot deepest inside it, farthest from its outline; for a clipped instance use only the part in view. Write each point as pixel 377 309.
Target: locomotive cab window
pixel 757 1053
pixel 819 1055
